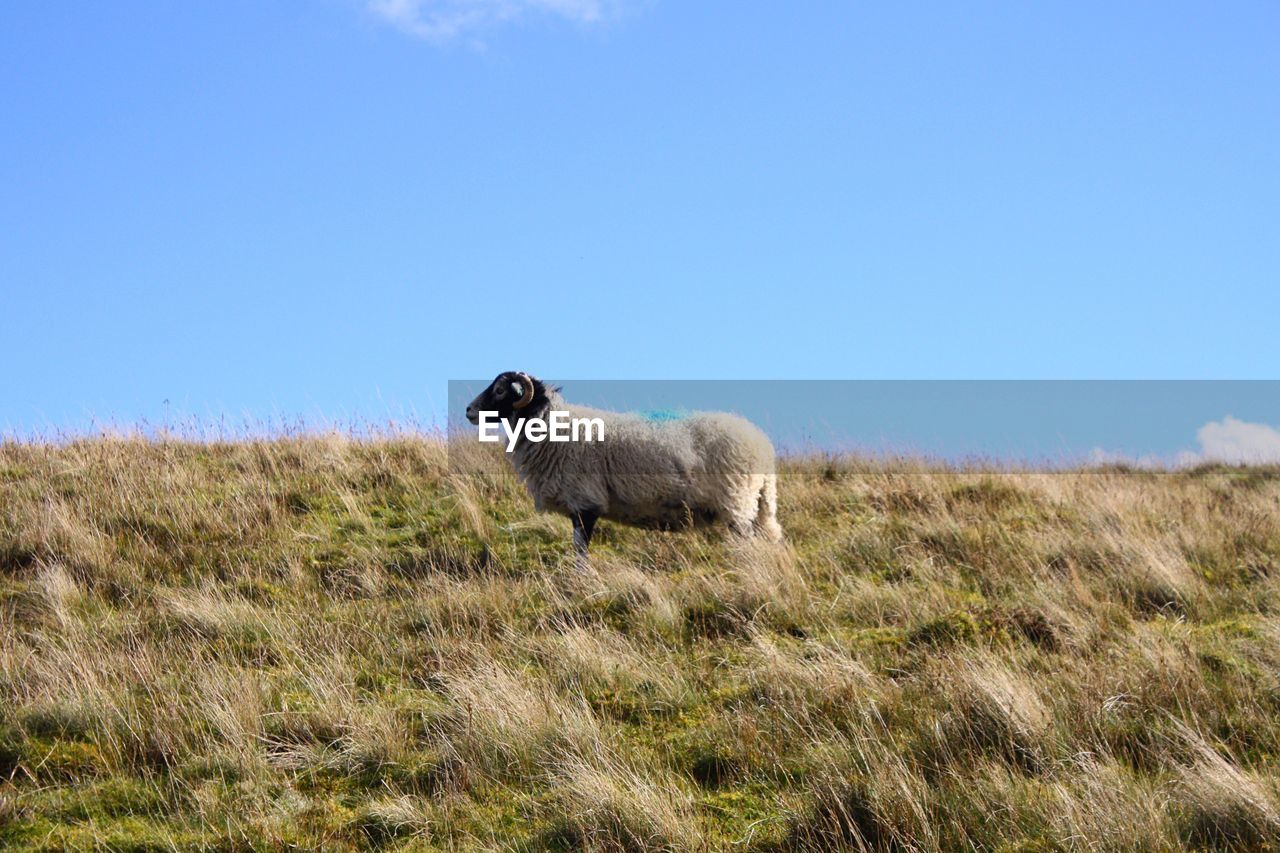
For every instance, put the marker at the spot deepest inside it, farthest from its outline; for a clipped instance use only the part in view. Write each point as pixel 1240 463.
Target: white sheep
pixel 696 469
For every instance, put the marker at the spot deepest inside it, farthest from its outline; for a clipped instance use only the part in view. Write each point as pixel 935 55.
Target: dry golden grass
pixel 328 642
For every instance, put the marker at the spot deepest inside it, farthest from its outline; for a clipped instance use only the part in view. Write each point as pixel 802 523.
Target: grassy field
pixel 326 642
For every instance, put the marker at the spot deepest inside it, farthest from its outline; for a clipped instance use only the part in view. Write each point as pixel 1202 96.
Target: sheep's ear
pixel 517 387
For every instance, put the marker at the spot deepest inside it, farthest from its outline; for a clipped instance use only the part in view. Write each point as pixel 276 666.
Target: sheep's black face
pixel 512 395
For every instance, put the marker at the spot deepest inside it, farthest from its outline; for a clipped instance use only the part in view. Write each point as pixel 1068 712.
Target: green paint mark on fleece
pixel 659 415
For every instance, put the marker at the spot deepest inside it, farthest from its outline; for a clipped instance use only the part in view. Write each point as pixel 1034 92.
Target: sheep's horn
pixel 527 397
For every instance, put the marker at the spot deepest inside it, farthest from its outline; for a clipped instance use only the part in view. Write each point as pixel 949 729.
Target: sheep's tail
pixel 767 512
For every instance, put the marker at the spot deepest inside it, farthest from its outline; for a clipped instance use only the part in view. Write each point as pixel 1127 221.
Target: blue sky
pixel 328 208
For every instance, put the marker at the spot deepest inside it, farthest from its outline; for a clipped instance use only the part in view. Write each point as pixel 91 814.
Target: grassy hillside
pixel 327 642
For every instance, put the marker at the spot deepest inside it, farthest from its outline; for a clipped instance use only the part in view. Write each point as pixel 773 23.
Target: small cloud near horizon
pixel 443 20
pixel 1239 442
pixel 1229 440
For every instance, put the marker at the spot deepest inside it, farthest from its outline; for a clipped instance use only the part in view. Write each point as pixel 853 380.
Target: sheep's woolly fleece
pixel 657 470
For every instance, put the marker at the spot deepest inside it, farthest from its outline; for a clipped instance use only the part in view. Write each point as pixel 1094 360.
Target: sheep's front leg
pixel 584 524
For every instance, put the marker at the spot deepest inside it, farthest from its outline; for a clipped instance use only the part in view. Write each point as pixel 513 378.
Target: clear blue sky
pixel 328 208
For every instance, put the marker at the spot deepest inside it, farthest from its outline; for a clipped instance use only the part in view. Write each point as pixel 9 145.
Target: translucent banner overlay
pixel 1025 423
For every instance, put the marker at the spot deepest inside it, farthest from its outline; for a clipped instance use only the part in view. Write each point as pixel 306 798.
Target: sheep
pixel 666 474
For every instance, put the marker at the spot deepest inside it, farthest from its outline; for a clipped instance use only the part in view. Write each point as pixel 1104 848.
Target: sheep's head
pixel 512 395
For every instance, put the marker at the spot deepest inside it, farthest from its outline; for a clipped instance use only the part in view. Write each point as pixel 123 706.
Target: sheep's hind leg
pixel 766 520
pixel 743 506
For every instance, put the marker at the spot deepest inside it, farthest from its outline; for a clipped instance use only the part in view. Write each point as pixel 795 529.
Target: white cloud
pixel 1229 440
pixel 441 20
pixel 1239 442
pixel 1102 456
